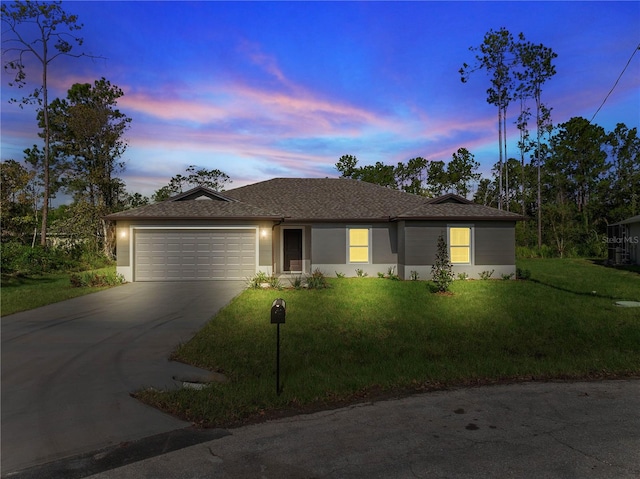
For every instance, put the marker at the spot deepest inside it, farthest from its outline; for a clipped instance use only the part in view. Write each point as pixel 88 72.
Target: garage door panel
pixel 183 255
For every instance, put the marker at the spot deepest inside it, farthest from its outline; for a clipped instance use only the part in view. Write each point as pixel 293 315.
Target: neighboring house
pixel 623 240
pixel 295 226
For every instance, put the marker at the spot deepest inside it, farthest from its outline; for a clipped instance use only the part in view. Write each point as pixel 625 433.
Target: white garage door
pixel 194 255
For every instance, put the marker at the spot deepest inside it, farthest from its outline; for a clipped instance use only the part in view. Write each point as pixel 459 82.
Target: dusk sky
pixel 283 89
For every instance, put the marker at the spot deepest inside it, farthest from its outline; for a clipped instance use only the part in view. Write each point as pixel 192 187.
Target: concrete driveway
pixel 68 368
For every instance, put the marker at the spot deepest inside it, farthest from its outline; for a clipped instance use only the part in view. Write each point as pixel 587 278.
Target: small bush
pixel 274 282
pixel 391 273
pixel 522 273
pixel 317 280
pixel 380 275
pixel 95 280
pixel 484 275
pixel 441 272
pixel 463 276
pixel 297 282
pixel 507 277
pixel 262 280
pixel 414 276
pixel 360 273
pixel 340 275
pixel 258 280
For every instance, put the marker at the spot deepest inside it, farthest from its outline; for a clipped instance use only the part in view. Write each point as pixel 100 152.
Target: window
pixel 460 244
pixel 358 245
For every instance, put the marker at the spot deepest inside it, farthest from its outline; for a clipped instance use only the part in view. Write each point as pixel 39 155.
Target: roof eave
pixel 460 218
pixel 191 218
pixel 377 219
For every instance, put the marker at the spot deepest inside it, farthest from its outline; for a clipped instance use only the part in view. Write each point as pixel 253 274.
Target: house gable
pixel 200 193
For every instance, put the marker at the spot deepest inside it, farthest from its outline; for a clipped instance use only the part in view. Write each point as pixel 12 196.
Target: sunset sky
pixel 283 89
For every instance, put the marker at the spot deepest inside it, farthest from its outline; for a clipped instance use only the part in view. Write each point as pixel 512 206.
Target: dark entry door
pixel 292 240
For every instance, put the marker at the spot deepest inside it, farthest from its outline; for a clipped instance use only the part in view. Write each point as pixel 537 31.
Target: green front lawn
pixel 28 292
pixel 370 336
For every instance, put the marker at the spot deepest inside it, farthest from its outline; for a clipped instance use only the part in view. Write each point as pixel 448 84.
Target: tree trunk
pixel 45 106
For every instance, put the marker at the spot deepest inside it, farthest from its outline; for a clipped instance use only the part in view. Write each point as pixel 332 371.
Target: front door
pixel 292 245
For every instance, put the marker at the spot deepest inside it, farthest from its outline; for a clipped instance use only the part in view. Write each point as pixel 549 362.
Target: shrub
pixel 17 258
pixel 258 280
pixel 39 260
pixel 297 282
pixel 507 277
pixel 380 275
pixel 463 276
pixel 317 280
pixel 484 275
pixel 414 276
pixel 95 280
pixel 441 272
pixel 391 273
pixel 522 273
pixel 360 273
pixel 262 280
pixel 340 275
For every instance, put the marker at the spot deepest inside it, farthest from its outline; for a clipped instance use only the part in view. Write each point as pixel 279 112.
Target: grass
pixel 28 292
pixel 586 277
pixel 368 336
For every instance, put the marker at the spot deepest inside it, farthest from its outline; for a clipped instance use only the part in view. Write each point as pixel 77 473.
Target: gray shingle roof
pixel 313 199
pixel 326 198
pixel 451 211
pixel 196 209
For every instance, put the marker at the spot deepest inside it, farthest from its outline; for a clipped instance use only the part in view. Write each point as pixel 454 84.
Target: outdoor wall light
pixel 263 232
pixel 123 234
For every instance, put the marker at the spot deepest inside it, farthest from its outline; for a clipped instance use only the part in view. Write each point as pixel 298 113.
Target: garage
pixel 194 254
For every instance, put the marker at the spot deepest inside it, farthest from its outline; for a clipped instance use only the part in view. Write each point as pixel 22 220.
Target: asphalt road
pixel 68 368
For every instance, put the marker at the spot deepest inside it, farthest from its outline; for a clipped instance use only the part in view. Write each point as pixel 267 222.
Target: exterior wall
pixel 265 249
pixel 329 249
pixel 492 248
pixel 123 249
pixel 495 243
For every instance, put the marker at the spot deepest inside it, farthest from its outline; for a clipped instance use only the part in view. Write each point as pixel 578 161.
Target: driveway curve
pixel 68 368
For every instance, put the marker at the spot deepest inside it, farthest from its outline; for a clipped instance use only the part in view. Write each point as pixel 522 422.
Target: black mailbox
pixel 278 311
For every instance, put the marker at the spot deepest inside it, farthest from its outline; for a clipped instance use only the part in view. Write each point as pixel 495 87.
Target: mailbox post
pixel 278 314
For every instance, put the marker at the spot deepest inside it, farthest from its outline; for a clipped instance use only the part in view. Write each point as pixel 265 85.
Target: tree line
pixel 589 179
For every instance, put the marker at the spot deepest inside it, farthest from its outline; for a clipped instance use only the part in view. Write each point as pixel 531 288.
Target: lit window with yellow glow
pixel 460 244
pixel 358 245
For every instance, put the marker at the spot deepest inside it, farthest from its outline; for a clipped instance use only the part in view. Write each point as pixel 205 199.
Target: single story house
pixel 297 225
pixel 623 241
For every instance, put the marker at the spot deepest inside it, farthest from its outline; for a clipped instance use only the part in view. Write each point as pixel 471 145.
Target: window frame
pixel 470 227
pixel 368 246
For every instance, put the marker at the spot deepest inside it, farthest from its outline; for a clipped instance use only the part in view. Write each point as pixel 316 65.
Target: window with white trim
pixel 460 244
pixel 358 251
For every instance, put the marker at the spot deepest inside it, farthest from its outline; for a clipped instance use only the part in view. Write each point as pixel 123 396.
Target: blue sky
pixel 283 89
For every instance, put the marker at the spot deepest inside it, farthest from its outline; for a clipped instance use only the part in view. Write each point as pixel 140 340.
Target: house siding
pixel 493 247
pixel 495 243
pixel 328 244
pixel 329 249
pixel 385 244
pixel 421 240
